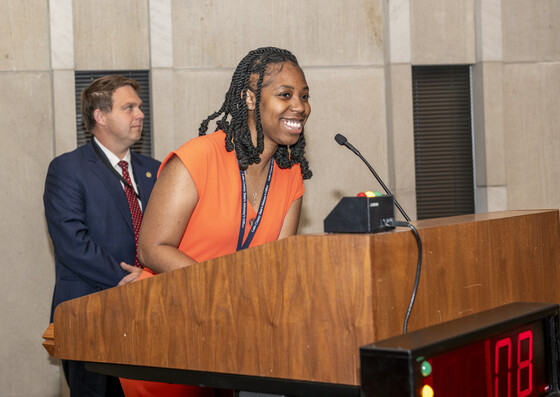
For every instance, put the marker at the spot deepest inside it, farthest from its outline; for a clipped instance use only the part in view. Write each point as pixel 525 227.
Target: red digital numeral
pixel 525 364
pixel 502 365
pixel 501 344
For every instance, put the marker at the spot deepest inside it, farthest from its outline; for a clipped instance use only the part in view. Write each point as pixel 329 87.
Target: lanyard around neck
pixel 240 244
pixel 105 161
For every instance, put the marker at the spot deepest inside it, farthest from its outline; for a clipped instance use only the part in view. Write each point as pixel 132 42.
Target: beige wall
pixel 531 92
pixel 357 56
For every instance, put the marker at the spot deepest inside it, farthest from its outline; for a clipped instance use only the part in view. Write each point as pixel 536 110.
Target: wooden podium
pixel 289 317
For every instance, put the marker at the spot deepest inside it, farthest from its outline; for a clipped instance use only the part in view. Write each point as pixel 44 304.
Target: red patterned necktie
pixel 135 210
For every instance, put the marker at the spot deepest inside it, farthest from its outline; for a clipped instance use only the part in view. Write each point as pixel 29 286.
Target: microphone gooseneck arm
pixel 341 140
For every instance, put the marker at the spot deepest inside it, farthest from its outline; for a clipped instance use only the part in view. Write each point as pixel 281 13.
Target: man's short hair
pixel 99 95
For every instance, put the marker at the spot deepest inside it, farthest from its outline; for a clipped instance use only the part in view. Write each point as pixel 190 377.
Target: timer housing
pixel 511 350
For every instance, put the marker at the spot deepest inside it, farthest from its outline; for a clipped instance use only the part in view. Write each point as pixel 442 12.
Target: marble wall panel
pixel 64 111
pixel 163 112
pixel 349 101
pixel 218 33
pixel 400 135
pixel 532 141
pixel 161 34
pixel 111 35
pixel 488 30
pixel 62 34
pixel 26 147
pixel 24 35
pixel 494 124
pixel 478 106
pixel 488 105
pixel 197 94
pixel 531 30
pixel 443 32
pixel 399 103
pixel 491 198
pixel 397 40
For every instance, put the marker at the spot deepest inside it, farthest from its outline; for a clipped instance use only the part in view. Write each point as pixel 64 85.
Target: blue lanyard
pixel 240 244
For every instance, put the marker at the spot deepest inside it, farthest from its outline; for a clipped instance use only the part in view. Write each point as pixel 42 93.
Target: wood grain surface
pixel 300 308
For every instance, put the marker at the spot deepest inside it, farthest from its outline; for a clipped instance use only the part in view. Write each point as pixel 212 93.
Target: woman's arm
pixel 167 214
pixel 291 221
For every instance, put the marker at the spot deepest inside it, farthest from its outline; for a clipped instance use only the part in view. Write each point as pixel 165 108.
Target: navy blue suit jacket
pixel 89 220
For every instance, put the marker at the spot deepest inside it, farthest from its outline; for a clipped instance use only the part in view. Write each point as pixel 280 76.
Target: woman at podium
pixel 238 187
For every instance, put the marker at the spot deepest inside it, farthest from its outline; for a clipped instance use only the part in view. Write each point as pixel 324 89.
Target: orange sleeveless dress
pixel 213 228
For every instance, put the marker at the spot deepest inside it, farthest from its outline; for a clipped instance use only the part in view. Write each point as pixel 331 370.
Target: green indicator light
pixel 426 368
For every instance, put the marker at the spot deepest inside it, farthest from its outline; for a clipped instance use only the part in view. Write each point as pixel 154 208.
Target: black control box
pixel 361 215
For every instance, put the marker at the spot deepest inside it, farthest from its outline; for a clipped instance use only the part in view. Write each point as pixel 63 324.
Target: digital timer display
pixel 509 351
pixel 509 364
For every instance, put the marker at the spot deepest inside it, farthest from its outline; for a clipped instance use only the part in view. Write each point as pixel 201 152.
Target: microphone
pixel 342 141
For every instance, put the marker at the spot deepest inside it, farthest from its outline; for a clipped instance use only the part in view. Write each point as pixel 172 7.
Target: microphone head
pixel 340 139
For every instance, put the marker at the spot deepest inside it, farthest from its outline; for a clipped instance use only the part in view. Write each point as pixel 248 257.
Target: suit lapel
pixel 143 177
pixel 112 184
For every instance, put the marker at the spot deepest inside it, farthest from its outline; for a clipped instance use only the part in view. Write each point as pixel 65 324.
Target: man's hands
pixel 134 273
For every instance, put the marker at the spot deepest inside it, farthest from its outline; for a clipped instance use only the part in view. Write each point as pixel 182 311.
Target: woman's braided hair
pixel 238 136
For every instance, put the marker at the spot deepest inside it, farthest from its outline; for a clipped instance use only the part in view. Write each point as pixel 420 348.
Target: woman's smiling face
pixel 284 106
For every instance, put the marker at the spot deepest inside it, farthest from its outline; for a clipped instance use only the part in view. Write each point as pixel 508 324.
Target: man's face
pixel 123 124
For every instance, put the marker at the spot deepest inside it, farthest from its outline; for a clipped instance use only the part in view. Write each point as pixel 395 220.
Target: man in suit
pixel 90 216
